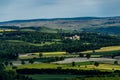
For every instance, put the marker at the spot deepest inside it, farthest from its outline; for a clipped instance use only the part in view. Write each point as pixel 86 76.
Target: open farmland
pixel 52 77
pixel 70 60
pixel 104 49
pixel 79 65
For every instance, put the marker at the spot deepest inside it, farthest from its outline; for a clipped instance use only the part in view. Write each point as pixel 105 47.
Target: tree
pixel 96 64
pixel 93 50
pixel 73 64
pixel 40 55
pixel 16 55
pixel 31 61
pixel 81 55
pixel 1 67
pixel 88 56
pixel 22 62
pixel 11 64
pixel 116 62
pixel 113 56
pixel 6 63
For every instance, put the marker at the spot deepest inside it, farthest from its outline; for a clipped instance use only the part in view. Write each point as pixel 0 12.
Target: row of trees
pixel 61 71
pixel 9 74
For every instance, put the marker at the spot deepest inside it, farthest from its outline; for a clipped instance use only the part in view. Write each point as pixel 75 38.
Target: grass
pixel 81 63
pixel 42 44
pixel 45 54
pixel 34 44
pixel 52 53
pixel 116 77
pixel 52 77
pixel 107 52
pixel 83 66
pixel 105 49
pixel 41 65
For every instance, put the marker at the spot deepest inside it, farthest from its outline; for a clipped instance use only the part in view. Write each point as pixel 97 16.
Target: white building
pixel 75 37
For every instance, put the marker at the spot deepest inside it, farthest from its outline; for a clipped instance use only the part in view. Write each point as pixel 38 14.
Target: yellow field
pixel 102 67
pixel 105 49
pixel 107 67
pixel 39 66
pixel 7 30
pixel 36 54
pixel 52 53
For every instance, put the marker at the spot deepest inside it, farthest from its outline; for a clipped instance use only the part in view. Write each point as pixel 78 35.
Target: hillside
pixel 99 24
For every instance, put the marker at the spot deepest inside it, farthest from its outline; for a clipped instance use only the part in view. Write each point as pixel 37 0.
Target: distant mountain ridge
pixel 77 23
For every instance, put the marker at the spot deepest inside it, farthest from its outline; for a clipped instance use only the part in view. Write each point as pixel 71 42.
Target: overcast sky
pixel 34 9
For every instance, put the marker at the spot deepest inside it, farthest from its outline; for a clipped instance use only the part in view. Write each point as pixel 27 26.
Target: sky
pixel 37 9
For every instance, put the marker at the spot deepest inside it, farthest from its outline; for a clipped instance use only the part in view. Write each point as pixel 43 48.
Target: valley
pixel 70 52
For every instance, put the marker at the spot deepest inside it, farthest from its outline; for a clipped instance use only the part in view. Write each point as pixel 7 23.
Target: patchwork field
pixel 70 60
pixel 112 50
pixel 45 54
pixel 105 49
pixel 53 77
pixel 78 65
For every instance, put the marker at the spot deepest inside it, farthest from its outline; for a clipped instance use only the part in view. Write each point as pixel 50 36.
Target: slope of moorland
pixel 91 24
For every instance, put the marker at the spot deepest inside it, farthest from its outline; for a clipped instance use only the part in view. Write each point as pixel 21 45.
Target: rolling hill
pixel 96 24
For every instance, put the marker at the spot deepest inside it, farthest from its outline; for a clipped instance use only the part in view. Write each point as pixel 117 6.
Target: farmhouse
pixel 75 37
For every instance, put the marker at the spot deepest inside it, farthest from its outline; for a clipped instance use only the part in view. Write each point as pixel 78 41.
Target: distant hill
pixel 100 24
pixel 107 30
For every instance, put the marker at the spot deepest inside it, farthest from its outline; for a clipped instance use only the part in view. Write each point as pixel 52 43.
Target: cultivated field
pixel 79 65
pixel 70 60
pixel 105 49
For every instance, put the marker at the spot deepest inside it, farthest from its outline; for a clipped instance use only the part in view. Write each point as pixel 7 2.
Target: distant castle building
pixel 75 37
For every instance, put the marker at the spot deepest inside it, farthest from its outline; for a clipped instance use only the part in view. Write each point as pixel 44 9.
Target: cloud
pixel 28 9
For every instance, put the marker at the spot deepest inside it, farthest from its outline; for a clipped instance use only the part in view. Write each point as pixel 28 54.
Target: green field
pixel 48 54
pixel 53 77
pixel 72 77
pixel 107 53
pixel 116 77
pixel 105 49
pixel 41 65
pixel 78 65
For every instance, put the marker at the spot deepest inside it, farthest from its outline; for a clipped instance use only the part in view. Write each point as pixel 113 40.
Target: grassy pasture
pixel 51 53
pixel 107 53
pixel 52 77
pixel 105 49
pixel 39 66
pixel 116 77
pixel 83 66
pixel 34 44
pixel 45 54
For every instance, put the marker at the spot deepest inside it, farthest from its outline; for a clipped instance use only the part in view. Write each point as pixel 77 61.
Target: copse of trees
pixel 88 56
pixel 88 41
pixel 31 61
pixel 22 62
pixel 96 64
pixel 81 55
pixel 9 74
pixel 73 64
pixel 116 62
pixel 40 54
